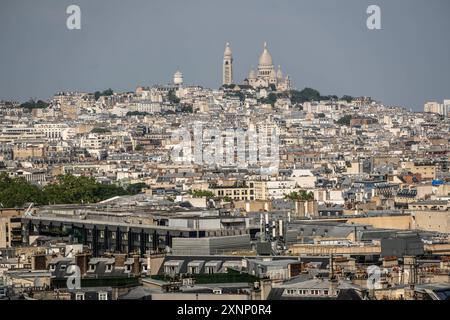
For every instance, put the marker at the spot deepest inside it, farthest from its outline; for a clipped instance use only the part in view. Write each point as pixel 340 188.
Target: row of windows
pixel 300 292
pixel 100 296
pixel 234 192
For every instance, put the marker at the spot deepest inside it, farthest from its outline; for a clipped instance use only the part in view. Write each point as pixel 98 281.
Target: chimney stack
pixel 136 265
pixel 119 260
pixel 82 260
pixel 39 262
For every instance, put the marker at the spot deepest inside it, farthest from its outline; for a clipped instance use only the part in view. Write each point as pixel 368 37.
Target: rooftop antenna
pixel 331 268
pixel 28 211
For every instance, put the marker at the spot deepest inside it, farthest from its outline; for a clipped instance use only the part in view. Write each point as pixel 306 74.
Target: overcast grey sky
pixel 323 44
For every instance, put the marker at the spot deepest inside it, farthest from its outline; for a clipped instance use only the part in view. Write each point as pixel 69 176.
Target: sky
pixel 322 44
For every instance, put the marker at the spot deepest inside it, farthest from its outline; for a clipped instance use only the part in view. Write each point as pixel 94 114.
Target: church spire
pixel 227 71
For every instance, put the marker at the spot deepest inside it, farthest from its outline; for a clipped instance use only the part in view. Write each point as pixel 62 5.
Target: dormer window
pixel 109 267
pixel 102 296
pixel 92 267
pixel 79 296
pixel 52 267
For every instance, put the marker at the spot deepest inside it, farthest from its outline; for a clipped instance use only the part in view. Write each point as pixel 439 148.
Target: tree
pixel 305 95
pixel 345 120
pixel 137 113
pixel 240 95
pixel 300 196
pixel 227 199
pixel 347 98
pixel 136 188
pixel 15 192
pixel 330 97
pixel 172 97
pixel 270 99
pixel 31 104
pixel 70 189
pixel 201 193
pixel 67 189
pixel 187 109
pixel 100 130
pixel 107 92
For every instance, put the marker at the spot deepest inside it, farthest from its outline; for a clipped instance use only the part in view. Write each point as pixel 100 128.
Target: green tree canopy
pixel 136 188
pixel 307 94
pixel 270 99
pixel 32 104
pixel 345 120
pixel 302 195
pixel 100 130
pixel 173 97
pixel 201 193
pixel 107 92
pixel 67 189
pixel 15 192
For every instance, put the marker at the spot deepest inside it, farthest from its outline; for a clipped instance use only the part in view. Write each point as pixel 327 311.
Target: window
pixel 291 292
pixel 92 267
pixel 193 270
pixel 52 267
pixel 79 296
pixel 109 267
pixel 102 296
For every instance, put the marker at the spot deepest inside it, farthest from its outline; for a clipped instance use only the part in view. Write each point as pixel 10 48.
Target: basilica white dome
pixel 252 74
pixel 265 59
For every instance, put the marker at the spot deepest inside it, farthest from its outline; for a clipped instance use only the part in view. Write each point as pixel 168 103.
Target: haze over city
pixel 242 153
pixel 323 44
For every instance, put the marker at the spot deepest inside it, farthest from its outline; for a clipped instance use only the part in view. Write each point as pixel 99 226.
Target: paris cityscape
pixel 257 189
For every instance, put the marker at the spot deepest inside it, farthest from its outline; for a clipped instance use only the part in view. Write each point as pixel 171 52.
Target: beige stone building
pixel 10 227
pixel 427 171
pixel 24 152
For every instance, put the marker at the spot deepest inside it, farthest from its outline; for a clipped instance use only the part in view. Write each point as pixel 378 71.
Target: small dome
pixel 252 74
pixel 178 77
pixel 227 52
pixel 279 73
pixel 265 59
